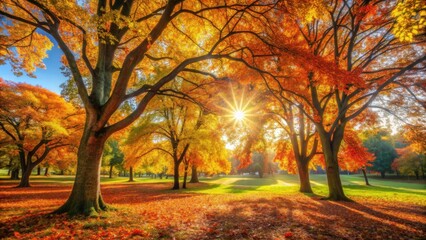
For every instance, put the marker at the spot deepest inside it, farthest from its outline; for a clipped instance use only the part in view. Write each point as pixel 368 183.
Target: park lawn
pixel 231 207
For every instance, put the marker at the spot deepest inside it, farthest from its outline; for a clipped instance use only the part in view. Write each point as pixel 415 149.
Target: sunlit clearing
pixel 239 115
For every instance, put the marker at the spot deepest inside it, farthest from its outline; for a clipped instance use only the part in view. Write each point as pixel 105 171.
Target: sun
pixel 239 115
pixel 239 109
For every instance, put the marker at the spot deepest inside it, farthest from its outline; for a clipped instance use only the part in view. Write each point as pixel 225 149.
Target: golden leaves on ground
pixel 150 211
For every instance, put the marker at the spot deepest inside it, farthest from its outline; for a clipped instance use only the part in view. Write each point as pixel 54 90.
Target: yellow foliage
pixel 410 19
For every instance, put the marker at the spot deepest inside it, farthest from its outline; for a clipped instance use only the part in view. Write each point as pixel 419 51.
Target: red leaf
pixel 17 234
pixel 288 234
pixel 138 232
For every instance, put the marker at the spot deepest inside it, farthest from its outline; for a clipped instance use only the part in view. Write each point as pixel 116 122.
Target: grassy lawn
pixel 231 207
pixel 353 184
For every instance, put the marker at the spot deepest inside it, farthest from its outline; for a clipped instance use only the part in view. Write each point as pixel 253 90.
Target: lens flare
pixel 239 115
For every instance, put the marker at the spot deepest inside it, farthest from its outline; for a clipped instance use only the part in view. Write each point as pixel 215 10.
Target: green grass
pixel 353 185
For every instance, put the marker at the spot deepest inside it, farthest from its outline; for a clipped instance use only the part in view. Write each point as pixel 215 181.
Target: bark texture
pixel 85 196
pixel 305 184
pixel 194 174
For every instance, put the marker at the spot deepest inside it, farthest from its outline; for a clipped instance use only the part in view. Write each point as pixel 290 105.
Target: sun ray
pixel 239 109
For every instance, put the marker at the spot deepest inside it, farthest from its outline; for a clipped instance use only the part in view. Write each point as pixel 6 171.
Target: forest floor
pixel 234 207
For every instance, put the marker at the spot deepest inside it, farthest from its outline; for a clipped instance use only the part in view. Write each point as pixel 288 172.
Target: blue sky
pixel 49 78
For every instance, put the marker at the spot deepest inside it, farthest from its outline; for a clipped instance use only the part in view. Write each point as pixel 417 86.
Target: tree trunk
pixel 46 173
pixel 194 174
pixel 382 174
pixel 365 176
pixel 176 176
pixel 417 174
pixel 25 179
pixel 14 174
pixel 334 182
pixel 9 171
pixel 303 170
pixel 330 151
pixel 38 170
pixel 110 171
pixel 86 195
pixel 62 171
pixel 185 176
pixel 131 175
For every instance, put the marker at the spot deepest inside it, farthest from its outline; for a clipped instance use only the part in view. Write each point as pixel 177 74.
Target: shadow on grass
pixel 309 219
pixel 382 189
pixel 251 216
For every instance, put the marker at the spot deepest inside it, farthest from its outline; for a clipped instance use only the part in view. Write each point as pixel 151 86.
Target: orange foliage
pixel 354 155
pixel 285 157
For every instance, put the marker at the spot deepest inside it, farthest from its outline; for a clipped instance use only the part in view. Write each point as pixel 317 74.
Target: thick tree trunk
pixel 86 195
pixel 382 174
pixel 176 176
pixel 365 176
pixel 334 183
pixel 46 173
pixel 62 171
pixel 303 169
pixel 38 170
pixel 14 174
pixel 330 151
pixel 185 176
pixel 417 174
pixel 131 175
pixel 110 171
pixel 194 174
pixel 25 179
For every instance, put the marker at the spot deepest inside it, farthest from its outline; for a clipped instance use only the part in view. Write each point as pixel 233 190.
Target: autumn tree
pixel 174 130
pixel 115 45
pixel 410 162
pixel 207 152
pixel 412 158
pixel 37 122
pixel 336 65
pixel 302 143
pixel 354 155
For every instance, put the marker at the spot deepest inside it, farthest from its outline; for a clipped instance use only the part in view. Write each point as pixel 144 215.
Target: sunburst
pixel 239 109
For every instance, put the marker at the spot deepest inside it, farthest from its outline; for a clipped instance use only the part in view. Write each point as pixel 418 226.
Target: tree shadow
pixel 383 189
pixel 309 218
